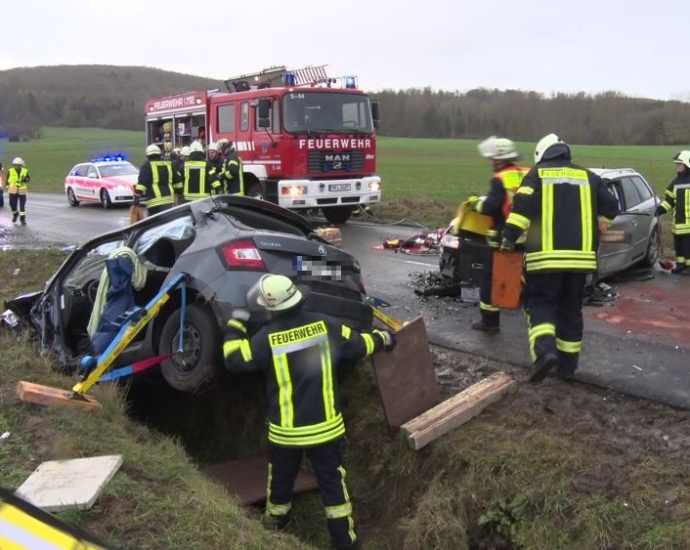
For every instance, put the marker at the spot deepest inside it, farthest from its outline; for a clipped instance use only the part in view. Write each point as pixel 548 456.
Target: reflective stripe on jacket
pixel 677 197
pixel 17 180
pixel 300 353
pixel 559 204
pixel 156 180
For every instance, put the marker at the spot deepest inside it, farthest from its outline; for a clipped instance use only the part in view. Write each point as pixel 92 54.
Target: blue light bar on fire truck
pixel 350 82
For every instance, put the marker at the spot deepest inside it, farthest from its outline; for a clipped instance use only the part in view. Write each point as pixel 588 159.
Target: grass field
pixel 424 179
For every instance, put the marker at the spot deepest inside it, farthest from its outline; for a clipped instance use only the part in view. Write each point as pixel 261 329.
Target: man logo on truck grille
pixel 337 165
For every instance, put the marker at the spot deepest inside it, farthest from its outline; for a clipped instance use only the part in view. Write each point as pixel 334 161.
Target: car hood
pixel 123 180
pixel 21 305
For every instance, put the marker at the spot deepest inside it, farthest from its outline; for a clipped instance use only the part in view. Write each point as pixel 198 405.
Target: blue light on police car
pixel 109 158
pixel 351 82
pixel 289 79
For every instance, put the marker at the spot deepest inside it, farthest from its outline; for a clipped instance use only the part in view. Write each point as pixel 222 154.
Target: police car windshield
pixel 117 169
pixel 323 112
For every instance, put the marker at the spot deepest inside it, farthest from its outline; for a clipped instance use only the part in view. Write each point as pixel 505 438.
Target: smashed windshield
pixel 120 169
pixel 323 112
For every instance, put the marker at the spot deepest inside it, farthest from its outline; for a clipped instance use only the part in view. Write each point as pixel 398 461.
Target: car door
pixel 615 257
pixel 92 181
pixel 639 207
pixel 647 206
pixel 77 180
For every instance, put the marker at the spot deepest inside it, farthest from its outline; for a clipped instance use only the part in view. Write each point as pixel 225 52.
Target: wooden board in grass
pixel 405 376
pixel 457 410
pixel 49 396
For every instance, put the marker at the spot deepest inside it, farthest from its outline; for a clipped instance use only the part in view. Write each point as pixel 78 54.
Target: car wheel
pixel 254 191
pixel 105 199
pixel 195 367
pixel 337 214
pixel 71 197
pixel 653 248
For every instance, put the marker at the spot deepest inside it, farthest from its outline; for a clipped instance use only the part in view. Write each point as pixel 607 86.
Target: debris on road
pixel 421 244
pixel 434 284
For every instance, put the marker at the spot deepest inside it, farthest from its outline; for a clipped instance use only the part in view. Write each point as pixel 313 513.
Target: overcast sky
pixel 635 47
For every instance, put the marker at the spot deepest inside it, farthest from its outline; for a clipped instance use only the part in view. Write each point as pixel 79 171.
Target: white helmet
pixel 153 150
pixel 185 151
pixel 498 149
pixel 683 157
pixel 18 160
pixel 545 144
pixel 277 293
pixel 196 147
pixel 212 146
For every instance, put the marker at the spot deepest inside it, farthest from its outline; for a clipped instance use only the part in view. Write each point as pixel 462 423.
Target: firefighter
pixel 300 353
pixel 198 179
pixel 215 162
pixel 157 182
pixel 2 187
pixel 507 177
pixel 17 178
pixel 562 207
pixel 678 196
pixel 232 172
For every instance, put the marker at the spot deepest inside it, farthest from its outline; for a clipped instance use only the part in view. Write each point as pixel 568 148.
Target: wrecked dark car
pixel 224 244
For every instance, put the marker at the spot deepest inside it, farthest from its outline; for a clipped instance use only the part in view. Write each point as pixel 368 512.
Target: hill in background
pixel 102 96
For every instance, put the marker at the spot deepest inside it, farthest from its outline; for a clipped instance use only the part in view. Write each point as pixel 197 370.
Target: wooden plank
pixel 246 479
pixel 331 235
pixel 405 376
pixel 457 410
pixel 47 395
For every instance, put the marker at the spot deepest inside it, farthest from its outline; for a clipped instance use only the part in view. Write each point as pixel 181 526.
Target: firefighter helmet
pixel 19 160
pixel 545 144
pixel 498 149
pixel 277 293
pixel 153 150
pixel 682 157
pixel 185 151
pixel 196 147
pixel 212 146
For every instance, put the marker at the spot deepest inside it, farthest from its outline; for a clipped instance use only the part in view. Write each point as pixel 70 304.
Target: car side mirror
pixel 375 114
pixel 264 111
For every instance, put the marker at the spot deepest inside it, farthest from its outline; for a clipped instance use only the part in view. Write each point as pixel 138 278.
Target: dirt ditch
pixel 594 446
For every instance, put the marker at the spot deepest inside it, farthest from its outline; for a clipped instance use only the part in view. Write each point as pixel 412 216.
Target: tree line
pixel 113 97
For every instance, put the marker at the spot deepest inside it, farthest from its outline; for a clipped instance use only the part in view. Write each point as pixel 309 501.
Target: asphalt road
pixel 639 344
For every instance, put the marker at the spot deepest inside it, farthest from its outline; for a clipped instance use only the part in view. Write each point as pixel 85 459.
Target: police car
pixel 107 180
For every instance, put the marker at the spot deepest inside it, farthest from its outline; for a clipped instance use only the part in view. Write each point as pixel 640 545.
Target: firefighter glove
pixel 388 338
pixel 507 246
pixel 135 201
pixel 660 210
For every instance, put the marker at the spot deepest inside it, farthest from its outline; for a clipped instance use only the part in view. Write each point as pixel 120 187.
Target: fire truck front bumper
pixel 318 193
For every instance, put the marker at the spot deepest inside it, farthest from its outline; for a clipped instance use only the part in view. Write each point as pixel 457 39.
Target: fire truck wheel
pixel 254 191
pixel 195 367
pixel 337 214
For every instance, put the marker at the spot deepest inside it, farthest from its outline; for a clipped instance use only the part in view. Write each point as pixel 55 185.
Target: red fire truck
pixel 306 140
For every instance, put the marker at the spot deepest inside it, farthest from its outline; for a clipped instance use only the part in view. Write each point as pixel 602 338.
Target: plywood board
pixel 47 395
pixel 405 376
pixel 246 479
pixel 457 410
pixel 69 484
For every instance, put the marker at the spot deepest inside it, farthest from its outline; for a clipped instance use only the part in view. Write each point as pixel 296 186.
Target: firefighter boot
pixel 15 217
pixel 22 219
pixel 482 326
pixel 275 523
pixel 541 367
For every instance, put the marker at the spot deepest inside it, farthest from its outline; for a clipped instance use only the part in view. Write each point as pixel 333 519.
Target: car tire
pixel 196 367
pixel 337 214
pixel 71 197
pixel 653 248
pixel 105 198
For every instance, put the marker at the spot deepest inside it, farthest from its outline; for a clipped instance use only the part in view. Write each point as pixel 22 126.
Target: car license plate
pixel 339 187
pixel 319 269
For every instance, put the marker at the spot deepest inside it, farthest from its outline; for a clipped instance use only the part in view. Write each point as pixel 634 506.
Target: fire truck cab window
pixel 244 116
pixel 226 119
pixel 273 118
pixel 327 112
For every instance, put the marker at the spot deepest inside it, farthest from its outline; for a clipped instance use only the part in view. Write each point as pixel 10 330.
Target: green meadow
pixel 424 179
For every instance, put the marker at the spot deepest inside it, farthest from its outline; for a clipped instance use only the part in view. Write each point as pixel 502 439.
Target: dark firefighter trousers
pixel 681 245
pixel 18 206
pixel 553 303
pixel 327 462
pixel 491 316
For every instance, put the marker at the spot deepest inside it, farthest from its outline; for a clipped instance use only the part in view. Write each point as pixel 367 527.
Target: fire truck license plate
pixel 339 187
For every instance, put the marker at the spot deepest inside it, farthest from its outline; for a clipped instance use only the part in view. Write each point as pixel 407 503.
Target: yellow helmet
pixel 498 149
pixel 683 157
pixel 277 293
